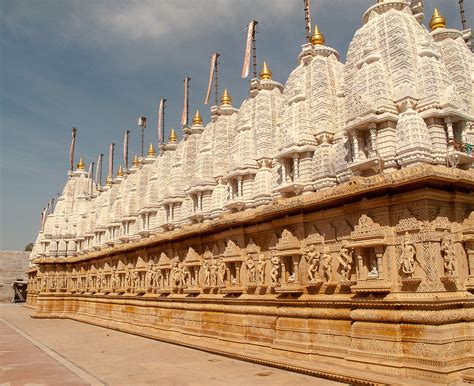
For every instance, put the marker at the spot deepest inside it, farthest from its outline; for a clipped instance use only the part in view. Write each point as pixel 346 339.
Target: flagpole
pixel 254 48
pixel 71 149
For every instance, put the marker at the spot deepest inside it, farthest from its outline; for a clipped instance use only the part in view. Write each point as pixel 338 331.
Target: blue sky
pixel 99 64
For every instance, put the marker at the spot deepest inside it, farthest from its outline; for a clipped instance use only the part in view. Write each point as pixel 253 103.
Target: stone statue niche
pixel 288 251
pixel 233 260
pixel 367 245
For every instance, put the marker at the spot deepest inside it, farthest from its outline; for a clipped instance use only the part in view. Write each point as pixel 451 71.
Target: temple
pixel 326 225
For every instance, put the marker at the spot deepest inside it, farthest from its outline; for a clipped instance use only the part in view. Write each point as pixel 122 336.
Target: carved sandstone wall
pixel 364 282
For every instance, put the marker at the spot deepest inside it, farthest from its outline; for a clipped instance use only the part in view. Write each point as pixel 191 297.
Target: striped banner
pixel 111 160
pixel 125 149
pixel 160 121
pixel 71 149
pixel 184 115
pixel 248 47
pixel 212 68
pixel 98 171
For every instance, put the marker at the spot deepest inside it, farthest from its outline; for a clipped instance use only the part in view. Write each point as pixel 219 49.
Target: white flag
pixel 214 57
pixel 248 47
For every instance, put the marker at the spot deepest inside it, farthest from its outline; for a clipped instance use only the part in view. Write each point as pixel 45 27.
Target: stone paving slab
pixel 66 352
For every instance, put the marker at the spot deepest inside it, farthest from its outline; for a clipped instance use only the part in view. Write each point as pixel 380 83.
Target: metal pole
pixel 463 19
pixel 143 140
pixel 307 19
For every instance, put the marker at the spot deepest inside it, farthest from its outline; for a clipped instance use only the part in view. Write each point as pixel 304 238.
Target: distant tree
pixel 29 247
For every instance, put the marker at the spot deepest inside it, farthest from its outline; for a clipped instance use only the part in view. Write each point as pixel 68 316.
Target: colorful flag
pixel 248 47
pixel 214 57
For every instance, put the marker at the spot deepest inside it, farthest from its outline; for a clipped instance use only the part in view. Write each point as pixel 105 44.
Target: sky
pixel 98 65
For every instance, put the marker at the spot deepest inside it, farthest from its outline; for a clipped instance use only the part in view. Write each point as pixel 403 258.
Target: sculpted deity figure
pixel 62 282
pixel 207 274
pixel 261 265
pixel 313 259
pixel 135 279
pixel 275 273
pixel 44 283
pixel 89 281
pixel 449 256
pixel 175 273
pixel 251 269
pixel 408 256
pixel 149 274
pixel 221 271
pixel 326 264
pixel 374 272
pixel 213 273
pixel 128 277
pixel 101 281
pixel 114 279
pixel 157 277
pixel 345 259
pixel 183 274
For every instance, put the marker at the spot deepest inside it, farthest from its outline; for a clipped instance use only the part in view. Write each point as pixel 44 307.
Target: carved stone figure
pixel 207 274
pixel 275 273
pixel 408 256
pixel 326 264
pixel 313 259
pixel 449 256
pixel 149 274
pixel 221 271
pixel 251 269
pixel 213 273
pixel 261 265
pixel 135 277
pixel 373 273
pixel 345 259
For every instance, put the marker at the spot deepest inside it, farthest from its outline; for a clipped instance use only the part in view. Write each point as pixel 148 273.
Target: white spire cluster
pixel 403 97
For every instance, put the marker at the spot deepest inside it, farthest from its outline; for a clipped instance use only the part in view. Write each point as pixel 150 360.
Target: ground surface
pixel 65 352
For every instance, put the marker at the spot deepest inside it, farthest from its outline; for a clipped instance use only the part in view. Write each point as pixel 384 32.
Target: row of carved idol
pixel 280 272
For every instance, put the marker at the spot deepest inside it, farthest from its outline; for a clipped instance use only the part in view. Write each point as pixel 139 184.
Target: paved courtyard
pixel 65 352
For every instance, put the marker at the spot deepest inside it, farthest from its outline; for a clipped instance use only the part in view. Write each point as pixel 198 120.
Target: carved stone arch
pixel 62 247
pixel 366 228
pixel 288 243
pixel 313 236
pixel 272 240
pixel 407 222
pixel 207 253
pixel 252 248
pixel 216 250
pixel 164 259
pixel 232 250
pixel 192 256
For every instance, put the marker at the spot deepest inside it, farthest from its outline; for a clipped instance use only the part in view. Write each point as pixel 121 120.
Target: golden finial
pixel 136 162
pixel 197 119
pixel 108 181
pixel 173 137
pixel 266 73
pixel 317 37
pixel 120 171
pixel 437 21
pixel 81 165
pixel 226 100
pixel 151 151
